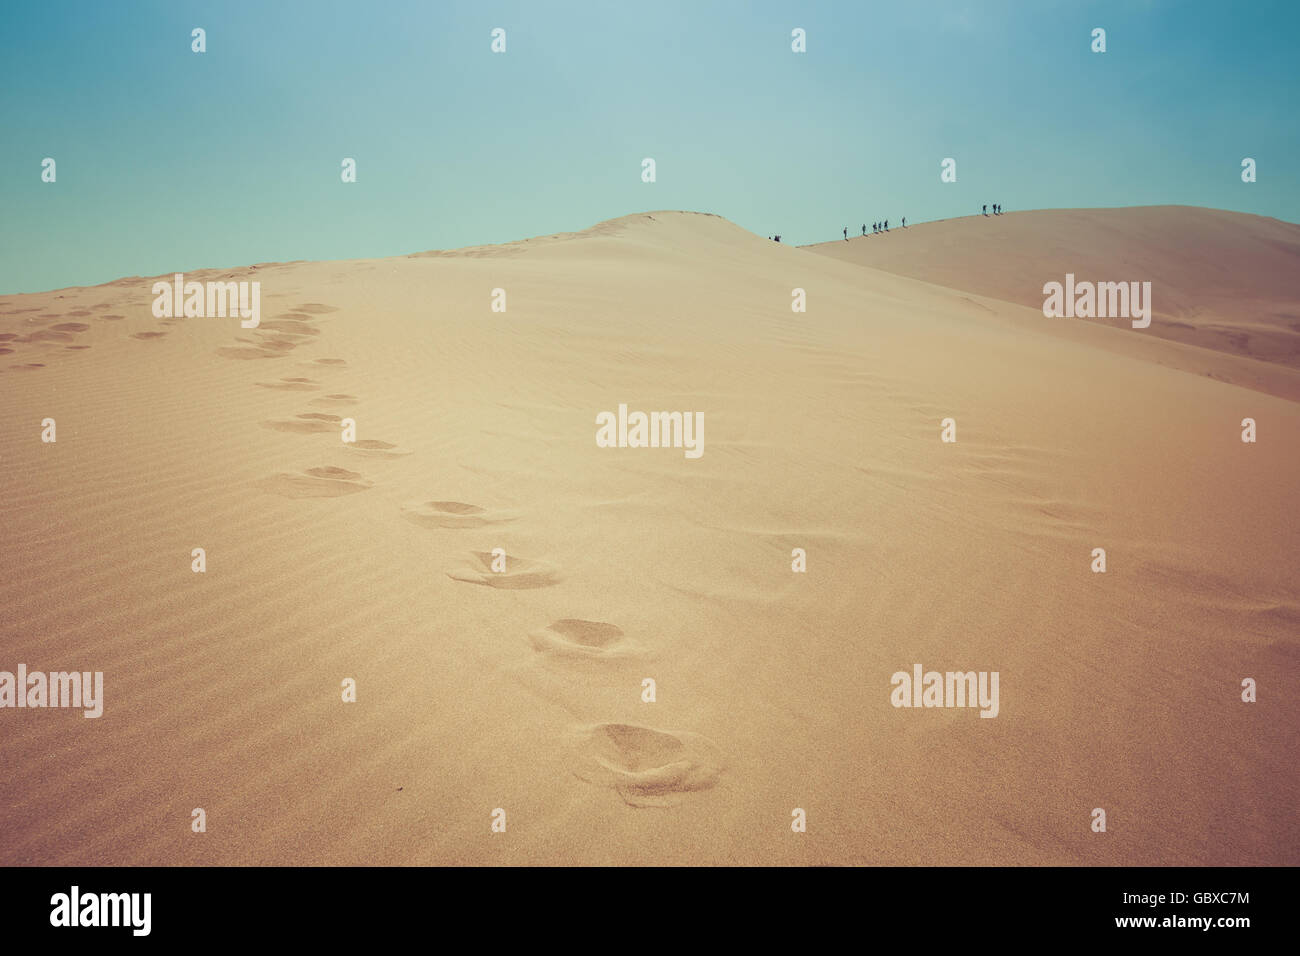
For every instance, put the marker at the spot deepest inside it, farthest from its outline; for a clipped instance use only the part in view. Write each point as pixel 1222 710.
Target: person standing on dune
pixel 846 233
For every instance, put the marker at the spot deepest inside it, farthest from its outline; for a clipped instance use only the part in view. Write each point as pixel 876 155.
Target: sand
pixel 523 690
pixel 1222 281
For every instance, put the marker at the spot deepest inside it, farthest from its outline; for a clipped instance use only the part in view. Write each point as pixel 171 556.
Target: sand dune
pixel 476 432
pixel 1221 280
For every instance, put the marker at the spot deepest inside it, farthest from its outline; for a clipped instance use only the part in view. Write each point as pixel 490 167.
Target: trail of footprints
pixel 44 335
pixel 46 332
pixel 276 338
pixel 645 766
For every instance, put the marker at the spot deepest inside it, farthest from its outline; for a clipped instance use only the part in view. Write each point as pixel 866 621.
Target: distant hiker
pixel 904 222
pixel 886 225
pixel 864 228
pixel 846 233
pixel 986 210
pixel 778 238
pixel 875 228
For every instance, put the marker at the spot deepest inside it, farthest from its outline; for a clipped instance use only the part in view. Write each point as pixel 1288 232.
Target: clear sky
pixel 169 160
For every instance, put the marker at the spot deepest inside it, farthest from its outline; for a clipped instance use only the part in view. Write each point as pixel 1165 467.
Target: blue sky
pixel 169 160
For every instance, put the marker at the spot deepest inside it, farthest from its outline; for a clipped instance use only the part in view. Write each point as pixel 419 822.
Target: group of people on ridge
pixel 876 228
pixel 879 227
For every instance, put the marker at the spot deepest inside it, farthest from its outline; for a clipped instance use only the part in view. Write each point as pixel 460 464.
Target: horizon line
pixel 630 215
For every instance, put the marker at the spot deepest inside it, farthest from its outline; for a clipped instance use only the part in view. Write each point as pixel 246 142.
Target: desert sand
pixel 523 690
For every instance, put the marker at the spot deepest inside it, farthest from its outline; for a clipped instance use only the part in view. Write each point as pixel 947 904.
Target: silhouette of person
pixel 864 228
pixel 846 233
pixel 886 225
pixel 875 228
pixel 778 238
pixel 904 222
pixel 986 210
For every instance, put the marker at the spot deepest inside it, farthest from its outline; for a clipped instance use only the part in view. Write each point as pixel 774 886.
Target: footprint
pixel 148 335
pixel 113 318
pixel 29 365
pixel 70 327
pixel 290 327
pixel 374 448
pixel 79 313
pixel 309 423
pixel 291 385
pixel 48 335
pixel 75 348
pixel 571 637
pixel 273 344
pixel 326 482
pixel 519 573
pixel 234 352
pixel 451 514
pixel 338 399
pixel 647 767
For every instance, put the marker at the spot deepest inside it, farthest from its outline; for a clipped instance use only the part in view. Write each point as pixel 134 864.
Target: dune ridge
pixel 1223 281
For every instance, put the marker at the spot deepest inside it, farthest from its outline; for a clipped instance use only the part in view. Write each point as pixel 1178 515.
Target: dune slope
pixel 1220 280
pixel 522 689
